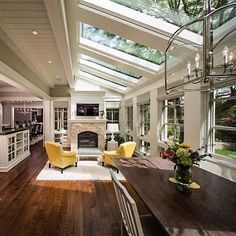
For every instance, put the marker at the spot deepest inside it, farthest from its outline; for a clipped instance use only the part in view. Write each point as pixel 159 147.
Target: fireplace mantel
pixel 88 121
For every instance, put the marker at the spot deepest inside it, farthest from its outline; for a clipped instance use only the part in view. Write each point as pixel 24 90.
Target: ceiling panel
pixel 20 18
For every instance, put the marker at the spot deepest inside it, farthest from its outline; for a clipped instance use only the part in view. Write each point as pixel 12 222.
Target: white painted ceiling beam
pixel 106 76
pixel 56 14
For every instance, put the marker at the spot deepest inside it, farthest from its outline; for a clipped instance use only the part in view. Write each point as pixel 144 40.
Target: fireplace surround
pixel 79 126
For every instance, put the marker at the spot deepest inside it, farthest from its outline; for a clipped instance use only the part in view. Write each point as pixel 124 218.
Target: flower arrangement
pixel 184 158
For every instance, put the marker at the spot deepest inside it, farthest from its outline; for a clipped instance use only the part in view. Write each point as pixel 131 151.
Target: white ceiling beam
pixel 106 76
pixel 116 60
pixel 57 18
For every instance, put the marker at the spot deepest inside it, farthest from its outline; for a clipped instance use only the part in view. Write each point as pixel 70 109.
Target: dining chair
pixel 130 219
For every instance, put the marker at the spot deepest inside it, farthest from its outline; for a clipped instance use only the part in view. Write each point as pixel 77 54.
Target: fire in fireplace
pixel 87 139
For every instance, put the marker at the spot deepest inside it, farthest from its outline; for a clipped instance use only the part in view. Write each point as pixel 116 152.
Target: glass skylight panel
pixel 175 12
pixel 114 41
pixel 112 67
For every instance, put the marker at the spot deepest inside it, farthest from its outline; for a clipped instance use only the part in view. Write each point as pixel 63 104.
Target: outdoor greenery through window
pixel 144 128
pixel 173 119
pixel 224 122
pixel 125 45
pixel 178 12
pixel 112 67
pixel 129 118
pixel 112 115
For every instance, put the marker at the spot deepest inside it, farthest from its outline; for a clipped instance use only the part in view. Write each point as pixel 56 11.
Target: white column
pixel 135 119
pixel 153 122
pixel 47 120
pixel 1 116
pixel 193 112
pixel 122 118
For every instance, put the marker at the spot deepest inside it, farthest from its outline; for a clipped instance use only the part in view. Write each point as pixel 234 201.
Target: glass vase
pixel 183 177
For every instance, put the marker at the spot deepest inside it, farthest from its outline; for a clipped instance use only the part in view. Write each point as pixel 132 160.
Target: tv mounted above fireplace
pixel 83 109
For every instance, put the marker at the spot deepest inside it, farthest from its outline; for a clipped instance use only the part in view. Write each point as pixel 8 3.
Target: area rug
pixel 86 170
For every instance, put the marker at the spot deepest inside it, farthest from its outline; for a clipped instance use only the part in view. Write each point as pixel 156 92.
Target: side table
pixel 112 145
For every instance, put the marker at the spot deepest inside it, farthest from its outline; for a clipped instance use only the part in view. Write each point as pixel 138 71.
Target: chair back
pixel 126 149
pixel 54 151
pixel 128 208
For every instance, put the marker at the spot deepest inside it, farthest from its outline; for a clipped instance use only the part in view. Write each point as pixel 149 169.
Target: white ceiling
pixel 18 18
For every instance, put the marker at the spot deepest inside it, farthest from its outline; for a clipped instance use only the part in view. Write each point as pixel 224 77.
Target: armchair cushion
pixel 124 150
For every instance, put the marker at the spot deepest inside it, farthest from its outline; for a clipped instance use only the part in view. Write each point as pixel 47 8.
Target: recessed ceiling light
pixel 50 62
pixel 57 76
pixel 34 32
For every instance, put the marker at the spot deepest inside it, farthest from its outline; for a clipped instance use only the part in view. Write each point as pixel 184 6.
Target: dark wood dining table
pixel 210 210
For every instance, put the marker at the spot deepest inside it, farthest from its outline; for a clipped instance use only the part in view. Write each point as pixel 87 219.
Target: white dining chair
pixel 128 209
pixel 135 224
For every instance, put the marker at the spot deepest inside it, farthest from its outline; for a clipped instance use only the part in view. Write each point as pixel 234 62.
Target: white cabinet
pixel 15 147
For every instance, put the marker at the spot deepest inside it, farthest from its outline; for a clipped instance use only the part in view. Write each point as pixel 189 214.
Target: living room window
pixel 112 115
pixel 60 115
pixel 129 118
pixel 223 118
pixel 173 119
pixel 144 126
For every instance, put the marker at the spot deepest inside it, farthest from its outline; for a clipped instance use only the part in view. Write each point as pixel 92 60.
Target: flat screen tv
pixel 83 109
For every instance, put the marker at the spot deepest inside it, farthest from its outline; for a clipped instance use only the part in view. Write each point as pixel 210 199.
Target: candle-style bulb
pixel 189 68
pixel 225 51
pixel 225 54
pixel 197 59
pixel 231 56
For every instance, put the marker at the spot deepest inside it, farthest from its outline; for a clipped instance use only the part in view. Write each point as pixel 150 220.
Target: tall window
pixel 223 129
pixel 129 118
pixel 173 119
pixel 60 115
pixel 144 119
pixel 112 115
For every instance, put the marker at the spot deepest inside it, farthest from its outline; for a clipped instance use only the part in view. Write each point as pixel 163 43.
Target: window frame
pixel 144 121
pixel 164 119
pixel 212 124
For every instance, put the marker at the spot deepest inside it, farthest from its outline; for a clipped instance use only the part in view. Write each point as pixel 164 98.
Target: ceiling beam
pixel 56 14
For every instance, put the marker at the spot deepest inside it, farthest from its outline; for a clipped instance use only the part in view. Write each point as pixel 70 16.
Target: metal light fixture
pixel 205 63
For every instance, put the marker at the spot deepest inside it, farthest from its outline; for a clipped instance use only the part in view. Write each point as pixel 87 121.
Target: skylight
pixel 112 67
pixel 175 12
pixel 114 41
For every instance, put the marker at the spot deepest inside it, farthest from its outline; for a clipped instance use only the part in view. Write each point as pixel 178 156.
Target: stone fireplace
pixel 92 132
pixel 87 139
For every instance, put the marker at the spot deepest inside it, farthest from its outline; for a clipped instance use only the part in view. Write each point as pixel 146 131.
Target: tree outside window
pixel 173 119
pixel 144 128
pixel 112 115
pixel 223 129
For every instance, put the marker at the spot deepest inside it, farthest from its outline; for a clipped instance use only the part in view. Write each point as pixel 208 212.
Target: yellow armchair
pixel 124 150
pixel 58 157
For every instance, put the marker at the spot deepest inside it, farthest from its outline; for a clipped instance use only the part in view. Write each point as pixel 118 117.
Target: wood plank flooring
pixel 31 207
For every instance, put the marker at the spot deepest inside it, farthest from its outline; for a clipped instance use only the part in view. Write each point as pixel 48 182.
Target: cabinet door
pixel 11 148
pixel 26 141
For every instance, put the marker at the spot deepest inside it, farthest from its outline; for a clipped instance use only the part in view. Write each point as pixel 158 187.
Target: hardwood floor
pixel 32 207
